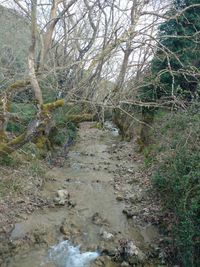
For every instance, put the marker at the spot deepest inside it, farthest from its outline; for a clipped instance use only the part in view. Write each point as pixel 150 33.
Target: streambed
pixel 95 175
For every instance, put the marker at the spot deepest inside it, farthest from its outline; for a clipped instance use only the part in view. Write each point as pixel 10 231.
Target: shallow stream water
pixel 88 176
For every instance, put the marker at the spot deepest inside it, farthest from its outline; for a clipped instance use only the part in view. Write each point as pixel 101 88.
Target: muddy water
pixel 88 176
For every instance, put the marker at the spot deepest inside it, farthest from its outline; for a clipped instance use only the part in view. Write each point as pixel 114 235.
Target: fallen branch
pixel 80 118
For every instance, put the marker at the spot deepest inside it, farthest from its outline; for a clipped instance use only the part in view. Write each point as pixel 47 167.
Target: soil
pixel 106 198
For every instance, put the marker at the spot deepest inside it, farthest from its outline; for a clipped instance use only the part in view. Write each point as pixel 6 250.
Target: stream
pixel 66 255
pixel 90 217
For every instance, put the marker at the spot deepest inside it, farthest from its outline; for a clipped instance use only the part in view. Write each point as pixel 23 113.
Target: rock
pixel 125 264
pixel 92 247
pixel 62 197
pixel 117 187
pixel 119 197
pixel 64 230
pixel 106 235
pixel 129 213
pixel 98 220
pixel 22 216
pixel 134 254
pixel 99 262
pixel 131 249
pixel 130 253
pixel 102 261
pixel 107 248
pixel 3 230
pixel 130 171
pixel 72 203
pixel 135 198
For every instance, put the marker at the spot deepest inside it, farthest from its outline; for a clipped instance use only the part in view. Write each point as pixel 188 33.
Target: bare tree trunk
pixel 53 20
pixel 119 118
pixel 123 71
pixel 31 56
pixel 4 109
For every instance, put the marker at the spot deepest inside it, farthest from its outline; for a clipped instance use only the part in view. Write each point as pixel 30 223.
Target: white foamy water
pixel 66 255
pixel 110 126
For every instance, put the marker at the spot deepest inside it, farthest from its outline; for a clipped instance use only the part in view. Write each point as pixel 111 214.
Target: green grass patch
pixel 25 113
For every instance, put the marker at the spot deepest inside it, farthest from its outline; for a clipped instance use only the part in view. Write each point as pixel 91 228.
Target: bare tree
pixel 91 51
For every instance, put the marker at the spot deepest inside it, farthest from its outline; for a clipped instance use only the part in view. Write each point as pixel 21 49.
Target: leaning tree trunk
pixel 37 129
pixel 118 89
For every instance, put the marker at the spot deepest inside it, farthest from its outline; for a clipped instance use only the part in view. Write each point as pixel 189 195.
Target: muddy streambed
pixel 90 212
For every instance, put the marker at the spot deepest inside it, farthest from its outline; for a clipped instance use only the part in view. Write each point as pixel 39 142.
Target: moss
pixel 97 125
pixel 43 145
pixel 42 141
pixel 3 136
pixel 51 106
pixel 18 84
pixel 17 140
pixel 7 148
pixel 80 118
pixel 141 144
pixel 124 123
pixel 146 132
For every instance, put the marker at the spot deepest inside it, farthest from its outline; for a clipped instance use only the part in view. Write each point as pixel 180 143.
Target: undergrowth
pixel 176 158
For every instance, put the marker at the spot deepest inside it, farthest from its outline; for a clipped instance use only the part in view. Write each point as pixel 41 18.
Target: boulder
pixel 129 252
pixel 134 254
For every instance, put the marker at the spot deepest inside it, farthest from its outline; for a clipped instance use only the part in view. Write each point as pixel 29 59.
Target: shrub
pixel 178 180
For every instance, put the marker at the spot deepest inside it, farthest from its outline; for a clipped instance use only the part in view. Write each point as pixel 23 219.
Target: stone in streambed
pixel 129 213
pixel 98 220
pixel 119 197
pixel 125 264
pixel 128 252
pixel 62 197
pixel 105 235
pixel 72 203
pixel 64 230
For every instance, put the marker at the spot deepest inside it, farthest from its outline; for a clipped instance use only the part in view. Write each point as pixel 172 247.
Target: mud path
pixel 108 202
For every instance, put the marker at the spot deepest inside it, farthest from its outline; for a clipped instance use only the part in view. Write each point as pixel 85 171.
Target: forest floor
pixel 98 195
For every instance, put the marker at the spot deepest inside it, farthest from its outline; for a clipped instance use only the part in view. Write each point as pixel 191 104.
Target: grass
pixel 25 113
pixel 20 172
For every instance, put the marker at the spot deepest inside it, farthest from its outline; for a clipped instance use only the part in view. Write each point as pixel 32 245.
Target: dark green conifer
pixel 175 68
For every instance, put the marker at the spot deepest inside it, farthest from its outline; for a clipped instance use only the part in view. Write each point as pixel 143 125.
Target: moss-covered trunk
pixel 145 132
pixel 36 130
